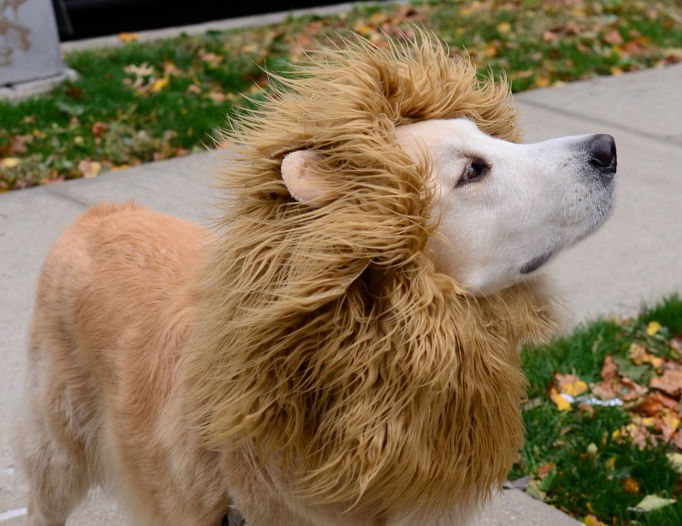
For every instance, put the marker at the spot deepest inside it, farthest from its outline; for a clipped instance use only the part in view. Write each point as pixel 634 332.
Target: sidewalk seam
pixel 65 196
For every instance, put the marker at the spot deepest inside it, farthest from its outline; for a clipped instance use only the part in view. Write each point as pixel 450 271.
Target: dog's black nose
pixel 602 153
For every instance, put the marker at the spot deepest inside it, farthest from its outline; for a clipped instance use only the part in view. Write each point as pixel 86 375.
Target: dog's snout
pixel 602 153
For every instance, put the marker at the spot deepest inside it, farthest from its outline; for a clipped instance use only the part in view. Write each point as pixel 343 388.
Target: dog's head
pixel 502 209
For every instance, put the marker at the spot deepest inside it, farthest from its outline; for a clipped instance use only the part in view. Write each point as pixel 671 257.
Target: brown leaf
pixel 609 370
pixel 638 435
pixel 613 37
pixel 631 485
pixel 667 425
pixel 99 128
pixel 670 382
pixel 545 470
pixel 604 391
pixel 639 355
pixel 629 390
pixel 678 440
pixel 676 343
pixel 656 403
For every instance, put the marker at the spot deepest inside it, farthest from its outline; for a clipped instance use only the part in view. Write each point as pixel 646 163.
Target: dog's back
pixel 113 308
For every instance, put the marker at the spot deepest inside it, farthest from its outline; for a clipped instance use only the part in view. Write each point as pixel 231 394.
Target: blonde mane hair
pixel 327 342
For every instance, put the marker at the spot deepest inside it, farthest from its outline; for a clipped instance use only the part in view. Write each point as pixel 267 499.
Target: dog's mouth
pixel 536 263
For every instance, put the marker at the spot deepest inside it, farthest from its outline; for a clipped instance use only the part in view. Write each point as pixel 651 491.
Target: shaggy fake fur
pixel 326 341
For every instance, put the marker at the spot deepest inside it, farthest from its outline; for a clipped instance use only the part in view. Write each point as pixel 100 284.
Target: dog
pixel 343 348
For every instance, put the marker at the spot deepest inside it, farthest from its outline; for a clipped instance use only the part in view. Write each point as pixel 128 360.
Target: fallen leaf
pixel 98 128
pixel 653 502
pixel 653 328
pixel 639 355
pixel 675 460
pixel 570 384
pixel 638 435
pixel 211 58
pixel 668 424
pixel 10 162
pixel 591 520
pixel 631 486
pixel 545 470
pixel 503 27
pixel 676 343
pixel 542 82
pixel 562 403
pixel 654 404
pixel 613 37
pixel 128 37
pixel 670 382
pixel 629 390
pixel 89 169
pixel 143 70
pixel 159 84
pixel 604 391
pixel 632 372
pixel 609 370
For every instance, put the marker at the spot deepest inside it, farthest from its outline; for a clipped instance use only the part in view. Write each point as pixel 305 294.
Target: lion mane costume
pixel 307 364
pixel 327 344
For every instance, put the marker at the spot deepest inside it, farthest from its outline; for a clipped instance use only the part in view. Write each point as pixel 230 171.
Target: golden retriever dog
pixel 343 348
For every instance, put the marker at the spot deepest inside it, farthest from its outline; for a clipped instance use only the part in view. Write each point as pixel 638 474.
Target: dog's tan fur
pixel 309 364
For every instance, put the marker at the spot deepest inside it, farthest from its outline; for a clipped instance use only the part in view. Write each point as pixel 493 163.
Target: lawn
pixel 148 101
pixel 603 420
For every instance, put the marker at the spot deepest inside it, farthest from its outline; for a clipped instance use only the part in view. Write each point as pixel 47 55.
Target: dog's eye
pixel 474 171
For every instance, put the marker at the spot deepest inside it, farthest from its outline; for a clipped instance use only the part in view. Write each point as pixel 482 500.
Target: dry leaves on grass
pixel 649 387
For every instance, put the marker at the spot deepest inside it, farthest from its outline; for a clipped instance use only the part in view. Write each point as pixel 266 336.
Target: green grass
pixel 148 101
pixel 580 461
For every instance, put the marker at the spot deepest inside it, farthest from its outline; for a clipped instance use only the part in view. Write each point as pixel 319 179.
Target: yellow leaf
pixel 653 328
pixel 504 27
pixel 363 29
pixel 10 162
pixel 574 388
pixel 490 49
pixel 464 11
pixel 159 84
pixel 646 421
pixel 615 70
pixel 591 520
pixel 561 403
pixel 128 37
pixel 542 82
pixel 610 464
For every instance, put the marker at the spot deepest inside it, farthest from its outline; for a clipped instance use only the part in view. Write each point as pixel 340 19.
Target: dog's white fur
pixel 532 201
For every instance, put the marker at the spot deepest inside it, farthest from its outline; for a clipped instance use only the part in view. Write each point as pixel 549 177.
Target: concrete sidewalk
pixel 635 258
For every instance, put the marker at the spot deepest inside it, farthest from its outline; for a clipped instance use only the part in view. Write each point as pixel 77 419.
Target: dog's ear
pixel 299 171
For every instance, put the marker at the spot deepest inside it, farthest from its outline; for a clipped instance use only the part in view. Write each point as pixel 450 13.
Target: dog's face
pixel 503 209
